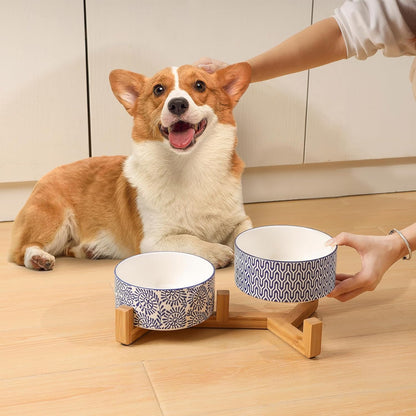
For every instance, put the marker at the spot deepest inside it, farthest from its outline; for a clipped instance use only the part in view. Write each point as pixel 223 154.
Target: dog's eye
pixel 199 86
pixel 158 90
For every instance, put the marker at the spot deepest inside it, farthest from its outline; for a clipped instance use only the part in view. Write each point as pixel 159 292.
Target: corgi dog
pixel 179 190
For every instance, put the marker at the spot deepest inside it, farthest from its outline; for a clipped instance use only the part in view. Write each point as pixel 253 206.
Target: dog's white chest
pixel 204 208
pixel 195 196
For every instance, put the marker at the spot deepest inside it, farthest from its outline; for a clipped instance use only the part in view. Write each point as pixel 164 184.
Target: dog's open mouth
pixel 182 135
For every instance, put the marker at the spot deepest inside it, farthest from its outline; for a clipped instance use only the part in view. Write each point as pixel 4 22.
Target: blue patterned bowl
pixel 167 290
pixel 284 263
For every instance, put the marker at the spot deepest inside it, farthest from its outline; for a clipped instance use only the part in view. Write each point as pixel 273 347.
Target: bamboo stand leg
pixel 126 332
pixel 307 342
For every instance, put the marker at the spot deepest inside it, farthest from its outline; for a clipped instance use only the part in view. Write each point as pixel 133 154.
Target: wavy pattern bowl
pixel 167 290
pixel 284 263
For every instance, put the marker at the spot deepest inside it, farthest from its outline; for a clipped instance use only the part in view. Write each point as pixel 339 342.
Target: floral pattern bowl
pixel 284 263
pixel 167 290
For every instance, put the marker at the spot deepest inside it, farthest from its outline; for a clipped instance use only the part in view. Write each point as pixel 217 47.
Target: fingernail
pixel 205 67
pixel 330 242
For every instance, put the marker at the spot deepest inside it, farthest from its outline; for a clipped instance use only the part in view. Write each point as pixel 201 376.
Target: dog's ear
pixel 234 80
pixel 126 87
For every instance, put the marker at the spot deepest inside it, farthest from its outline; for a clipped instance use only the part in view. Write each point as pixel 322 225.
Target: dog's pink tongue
pixel 181 139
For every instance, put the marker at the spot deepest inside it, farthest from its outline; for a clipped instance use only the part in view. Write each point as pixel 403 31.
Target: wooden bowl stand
pixel 307 342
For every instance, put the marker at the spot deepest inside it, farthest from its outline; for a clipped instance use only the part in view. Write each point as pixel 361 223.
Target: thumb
pixel 342 239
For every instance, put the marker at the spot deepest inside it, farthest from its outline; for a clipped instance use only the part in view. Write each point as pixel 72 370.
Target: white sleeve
pixel 412 77
pixel 369 25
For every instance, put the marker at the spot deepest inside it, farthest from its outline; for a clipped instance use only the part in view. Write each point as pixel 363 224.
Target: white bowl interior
pixel 164 270
pixel 284 243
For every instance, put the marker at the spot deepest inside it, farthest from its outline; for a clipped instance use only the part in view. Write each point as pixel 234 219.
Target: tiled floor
pixel 58 355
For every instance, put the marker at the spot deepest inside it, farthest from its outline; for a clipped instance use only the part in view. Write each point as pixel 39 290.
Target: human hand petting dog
pixel 378 254
pixel 210 65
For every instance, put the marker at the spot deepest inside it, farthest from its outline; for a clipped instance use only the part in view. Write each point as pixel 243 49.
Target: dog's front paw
pixel 220 256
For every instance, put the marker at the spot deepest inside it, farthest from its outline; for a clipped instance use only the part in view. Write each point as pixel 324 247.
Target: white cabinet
pixel 145 37
pixel 360 135
pixel 43 111
pixel 360 110
pixel 356 110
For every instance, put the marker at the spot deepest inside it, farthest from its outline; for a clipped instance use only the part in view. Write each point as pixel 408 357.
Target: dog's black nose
pixel 178 106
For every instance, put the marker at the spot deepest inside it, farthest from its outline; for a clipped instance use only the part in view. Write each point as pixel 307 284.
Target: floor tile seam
pixel 153 387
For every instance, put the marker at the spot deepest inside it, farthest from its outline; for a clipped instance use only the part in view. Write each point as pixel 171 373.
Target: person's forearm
pixel 410 234
pixel 316 45
pixel 397 248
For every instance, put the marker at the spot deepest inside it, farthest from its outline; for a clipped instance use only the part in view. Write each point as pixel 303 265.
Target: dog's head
pixel 179 105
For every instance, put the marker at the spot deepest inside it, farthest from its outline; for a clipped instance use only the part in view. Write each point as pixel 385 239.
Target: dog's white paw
pixel 38 259
pixel 219 255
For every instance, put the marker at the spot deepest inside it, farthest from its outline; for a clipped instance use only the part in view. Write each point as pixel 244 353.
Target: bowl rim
pixel 284 261
pixel 164 289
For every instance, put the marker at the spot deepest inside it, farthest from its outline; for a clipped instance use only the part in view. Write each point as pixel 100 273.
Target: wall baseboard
pixel 13 196
pixel 325 180
pixel 279 183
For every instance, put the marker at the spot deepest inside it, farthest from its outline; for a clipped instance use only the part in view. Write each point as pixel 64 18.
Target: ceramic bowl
pixel 167 290
pixel 284 263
